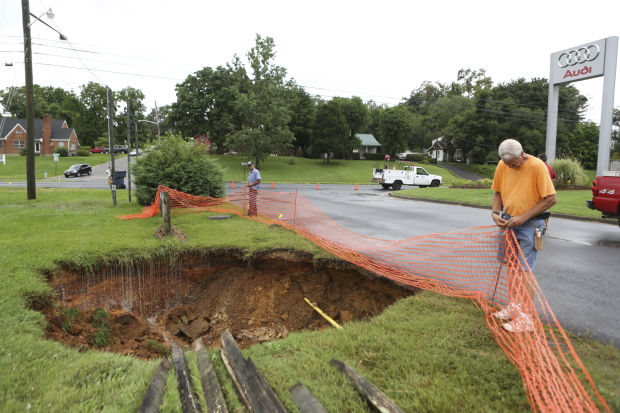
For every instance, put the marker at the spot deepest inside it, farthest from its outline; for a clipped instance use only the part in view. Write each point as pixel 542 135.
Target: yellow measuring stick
pixel 328 318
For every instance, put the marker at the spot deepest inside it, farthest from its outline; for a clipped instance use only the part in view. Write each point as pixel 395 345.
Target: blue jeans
pixel 525 235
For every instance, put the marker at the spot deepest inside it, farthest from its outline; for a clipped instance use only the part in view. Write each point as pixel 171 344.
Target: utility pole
pixel 30 166
pixel 111 142
pixel 128 141
pixel 157 120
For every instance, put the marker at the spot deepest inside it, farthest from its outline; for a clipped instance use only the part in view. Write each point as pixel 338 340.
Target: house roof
pixel 57 132
pixel 367 139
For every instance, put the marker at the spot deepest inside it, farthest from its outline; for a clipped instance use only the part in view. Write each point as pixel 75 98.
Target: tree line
pixel 254 109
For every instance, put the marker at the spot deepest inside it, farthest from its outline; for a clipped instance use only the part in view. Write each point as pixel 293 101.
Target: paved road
pixel 578 271
pixel 461 173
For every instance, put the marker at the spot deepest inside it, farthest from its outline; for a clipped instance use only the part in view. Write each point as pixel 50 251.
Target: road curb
pixel 465 204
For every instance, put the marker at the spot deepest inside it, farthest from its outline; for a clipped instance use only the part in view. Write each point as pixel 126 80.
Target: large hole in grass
pixel 142 305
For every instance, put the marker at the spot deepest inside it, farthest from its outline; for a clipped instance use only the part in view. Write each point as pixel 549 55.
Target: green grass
pixel 15 168
pixel 427 352
pixel 570 202
pixel 284 169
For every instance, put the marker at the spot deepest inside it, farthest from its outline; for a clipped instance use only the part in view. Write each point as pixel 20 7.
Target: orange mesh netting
pixel 484 264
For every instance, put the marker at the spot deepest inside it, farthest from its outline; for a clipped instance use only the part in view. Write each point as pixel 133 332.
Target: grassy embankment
pixel 427 352
pixel 15 168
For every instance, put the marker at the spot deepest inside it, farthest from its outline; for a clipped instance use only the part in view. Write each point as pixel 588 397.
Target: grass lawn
pixel 15 168
pixel 286 169
pixel 427 352
pixel 570 202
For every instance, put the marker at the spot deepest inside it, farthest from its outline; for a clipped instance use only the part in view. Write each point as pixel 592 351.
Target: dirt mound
pixel 258 299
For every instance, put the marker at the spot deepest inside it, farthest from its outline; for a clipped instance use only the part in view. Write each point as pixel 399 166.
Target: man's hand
pixel 516 221
pixel 499 221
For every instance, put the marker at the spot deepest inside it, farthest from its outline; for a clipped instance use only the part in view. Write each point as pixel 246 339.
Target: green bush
pixel 292 160
pixel 570 173
pixel 355 156
pixel 179 165
pixel 23 151
pixel 415 157
pixel 375 156
pixel 101 320
pixel 63 151
pixel 83 152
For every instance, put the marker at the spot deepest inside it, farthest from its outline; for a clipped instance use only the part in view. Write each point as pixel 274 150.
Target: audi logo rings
pixel 581 55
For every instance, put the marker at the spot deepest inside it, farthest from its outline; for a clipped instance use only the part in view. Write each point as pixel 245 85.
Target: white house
pixel 369 144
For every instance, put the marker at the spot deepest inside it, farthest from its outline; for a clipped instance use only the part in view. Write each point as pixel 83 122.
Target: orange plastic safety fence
pixel 484 264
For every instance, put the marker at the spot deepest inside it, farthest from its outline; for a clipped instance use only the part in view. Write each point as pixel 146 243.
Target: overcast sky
pixel 378 50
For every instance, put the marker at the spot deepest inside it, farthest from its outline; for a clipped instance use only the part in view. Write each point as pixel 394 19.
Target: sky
pixel 379 50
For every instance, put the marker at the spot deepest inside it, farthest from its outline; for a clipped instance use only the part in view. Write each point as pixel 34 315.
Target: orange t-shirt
pixel 523 187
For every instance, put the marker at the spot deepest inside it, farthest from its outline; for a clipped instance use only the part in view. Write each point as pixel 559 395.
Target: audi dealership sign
pixel 582 62
pixel 578 63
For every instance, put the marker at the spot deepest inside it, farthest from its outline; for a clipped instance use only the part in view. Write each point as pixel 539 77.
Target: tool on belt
pixel 538 236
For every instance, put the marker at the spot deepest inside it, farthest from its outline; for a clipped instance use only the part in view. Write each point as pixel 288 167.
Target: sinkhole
pixel 138 308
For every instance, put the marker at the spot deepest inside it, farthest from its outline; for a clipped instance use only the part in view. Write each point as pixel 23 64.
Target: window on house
pixel 1 144
pixel 72 146
pixel 18 132
pixel 19 144
pixel 61 144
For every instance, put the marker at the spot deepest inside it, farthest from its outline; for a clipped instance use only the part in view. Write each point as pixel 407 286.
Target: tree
pixel 396 128
pixel 302 116
pixel 93 122
pixel 329 130
pixel 136 110
pixel 583 144
pixel 207 102
pixel 264 109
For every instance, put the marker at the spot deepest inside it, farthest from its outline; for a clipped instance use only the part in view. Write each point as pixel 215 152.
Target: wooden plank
pixel 375 397
pixel 189 404
pixel 157 387
pixel 247 384
pixel 210 385
pixel 305 401
pixel 266 387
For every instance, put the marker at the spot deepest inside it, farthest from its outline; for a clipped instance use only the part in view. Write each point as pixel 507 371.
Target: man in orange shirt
pixel 523 194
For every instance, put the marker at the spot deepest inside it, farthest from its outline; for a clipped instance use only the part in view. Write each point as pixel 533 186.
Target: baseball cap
pixel 250 163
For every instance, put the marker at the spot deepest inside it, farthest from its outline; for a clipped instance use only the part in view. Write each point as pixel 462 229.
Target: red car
pixel 98 149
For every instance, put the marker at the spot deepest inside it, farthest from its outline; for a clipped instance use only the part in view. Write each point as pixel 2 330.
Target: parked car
pixel 78 170
pixel 117 149
pixel 98 149
pixel 133 152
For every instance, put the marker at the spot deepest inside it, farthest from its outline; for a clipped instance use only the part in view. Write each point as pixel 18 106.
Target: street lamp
pixel 30 169
pixel 154 123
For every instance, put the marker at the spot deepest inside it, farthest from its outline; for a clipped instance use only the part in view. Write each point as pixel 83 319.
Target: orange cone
pixel 232 185
pixel 356 187
pixel 271 184
pixel 317 186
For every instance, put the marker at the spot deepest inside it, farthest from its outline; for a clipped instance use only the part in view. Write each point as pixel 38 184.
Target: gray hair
pixel 509 149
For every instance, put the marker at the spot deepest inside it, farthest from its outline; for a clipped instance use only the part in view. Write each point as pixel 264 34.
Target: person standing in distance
pixel 253 185
pixel 543 158
pixel 523 194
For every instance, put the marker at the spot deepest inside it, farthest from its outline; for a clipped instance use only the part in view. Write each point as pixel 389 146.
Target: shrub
pixel 157 347
pixel 23 151
pixel 292 160
pixel 179 165
pixel 415 157
pixel 355 156
pixel 71 314
pixel 63 151
pixel 375 156
pixel 570 173
pixel 83 152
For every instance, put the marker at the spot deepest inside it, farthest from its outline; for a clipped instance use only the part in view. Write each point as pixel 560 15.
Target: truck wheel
pixel 385 186
pixel 396 185
pixel 435 184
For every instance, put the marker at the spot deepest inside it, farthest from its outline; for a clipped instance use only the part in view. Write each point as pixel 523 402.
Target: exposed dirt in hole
pixel 203 294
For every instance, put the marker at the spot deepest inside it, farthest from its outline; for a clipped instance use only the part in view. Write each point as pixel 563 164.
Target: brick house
pixel 49 135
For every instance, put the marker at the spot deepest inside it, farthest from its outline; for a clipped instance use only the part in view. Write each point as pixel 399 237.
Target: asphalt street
pixel 578 271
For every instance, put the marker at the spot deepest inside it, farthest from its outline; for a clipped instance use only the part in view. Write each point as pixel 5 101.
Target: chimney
pixel 46 132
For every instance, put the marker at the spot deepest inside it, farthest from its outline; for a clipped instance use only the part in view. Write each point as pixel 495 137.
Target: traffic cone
pixel 271 184
pixel 356 187
pixel 232 185
pixel 317 186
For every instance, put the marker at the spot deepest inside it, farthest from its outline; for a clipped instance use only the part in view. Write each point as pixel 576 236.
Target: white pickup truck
pixel 411 175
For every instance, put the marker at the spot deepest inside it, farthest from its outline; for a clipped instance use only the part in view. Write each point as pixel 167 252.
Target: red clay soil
pixel 202 295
